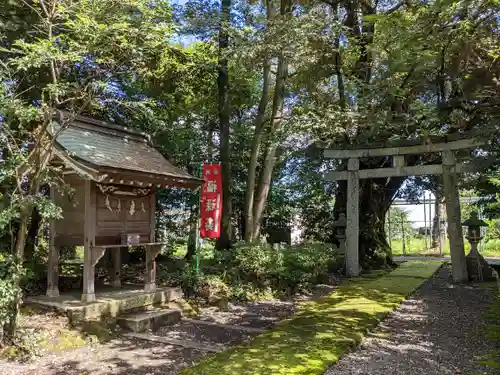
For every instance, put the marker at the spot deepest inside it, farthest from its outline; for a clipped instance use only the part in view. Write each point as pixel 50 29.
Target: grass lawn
pixel 417 247
pixel 323 330
pixel 492 359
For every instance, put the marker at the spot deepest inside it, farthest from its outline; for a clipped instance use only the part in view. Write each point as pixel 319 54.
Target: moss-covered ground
pixel 492 359
pixel 42 332
pixel 323 330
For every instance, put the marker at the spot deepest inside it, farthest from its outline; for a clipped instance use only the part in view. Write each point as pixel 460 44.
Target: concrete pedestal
pixel 478 269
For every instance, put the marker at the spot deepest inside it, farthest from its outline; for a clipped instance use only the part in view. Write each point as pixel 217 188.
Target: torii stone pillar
pixel 457 251
pixel 352 229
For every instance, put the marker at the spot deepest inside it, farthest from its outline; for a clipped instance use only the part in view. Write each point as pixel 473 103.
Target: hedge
pixel 323 330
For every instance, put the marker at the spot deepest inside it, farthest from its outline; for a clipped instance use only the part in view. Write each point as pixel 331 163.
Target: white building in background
pixel 418 215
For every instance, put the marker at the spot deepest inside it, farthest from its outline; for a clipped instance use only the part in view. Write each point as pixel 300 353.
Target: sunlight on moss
pixel 63 340
pixel 323 330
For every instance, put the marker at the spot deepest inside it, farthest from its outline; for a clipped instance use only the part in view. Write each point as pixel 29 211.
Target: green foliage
pixel 260 270
pixel 290 269
pixel 398 220
pixel 251 272
pixel 399 229
pixel 213 285
pixel 323 330
pixel 189 279
pixel 10 292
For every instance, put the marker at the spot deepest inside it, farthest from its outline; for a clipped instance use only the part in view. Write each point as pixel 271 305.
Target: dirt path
pixel 437 331
pixel 129 356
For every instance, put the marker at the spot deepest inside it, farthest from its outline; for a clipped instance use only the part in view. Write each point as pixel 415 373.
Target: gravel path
pixel 438 331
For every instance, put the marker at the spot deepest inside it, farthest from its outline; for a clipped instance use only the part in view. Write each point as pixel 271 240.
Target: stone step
pixel 110 302
pixel 148 319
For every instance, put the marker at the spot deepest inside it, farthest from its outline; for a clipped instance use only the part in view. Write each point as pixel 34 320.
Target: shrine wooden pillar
pixel 88 294
pixel 116 256
pixel 153 250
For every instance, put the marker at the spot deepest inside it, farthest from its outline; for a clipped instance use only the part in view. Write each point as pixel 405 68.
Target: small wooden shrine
pixel 114 173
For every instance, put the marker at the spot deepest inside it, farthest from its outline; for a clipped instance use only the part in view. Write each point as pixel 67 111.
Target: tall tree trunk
pixel 9 329
pixel 439 215
pixel 224 241
pixel 375 195
pixel 262 190
pixel 376 198
pixel 40 158
pixel 33 230
pixel 270 152
pixel 256 143
pixel 251 232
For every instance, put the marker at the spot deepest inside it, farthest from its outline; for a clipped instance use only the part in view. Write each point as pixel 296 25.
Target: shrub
pixel 189 279
pixel 213 285
pixel 289 269
pixel 305 265
pixel 10 291
pixel 249 272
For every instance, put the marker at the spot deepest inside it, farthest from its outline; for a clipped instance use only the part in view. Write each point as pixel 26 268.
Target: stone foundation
pixel 111 303
pixel 473 268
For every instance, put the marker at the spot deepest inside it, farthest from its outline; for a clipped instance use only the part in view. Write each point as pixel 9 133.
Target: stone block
pixel 150 319
pixel 473 268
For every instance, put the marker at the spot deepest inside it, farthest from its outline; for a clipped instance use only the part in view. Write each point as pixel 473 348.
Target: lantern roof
pixel 474 221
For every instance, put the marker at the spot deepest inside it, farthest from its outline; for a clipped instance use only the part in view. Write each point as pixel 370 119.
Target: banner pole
pixel 198 237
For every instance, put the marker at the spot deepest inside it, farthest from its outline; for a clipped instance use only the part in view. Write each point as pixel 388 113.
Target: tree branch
pixel 398 6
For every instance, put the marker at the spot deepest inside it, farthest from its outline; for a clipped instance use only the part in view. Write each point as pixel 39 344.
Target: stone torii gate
pixel 448 168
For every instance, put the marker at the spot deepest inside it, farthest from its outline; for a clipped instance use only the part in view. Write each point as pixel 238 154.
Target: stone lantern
pixel 477 267
pixel 340 225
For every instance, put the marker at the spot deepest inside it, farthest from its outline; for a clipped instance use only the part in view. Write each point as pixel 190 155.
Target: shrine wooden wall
pixel 69 229
pixel 115 215
pixel 121 214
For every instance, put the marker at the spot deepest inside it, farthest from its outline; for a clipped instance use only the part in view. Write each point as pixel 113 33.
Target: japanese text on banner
pixel 211 201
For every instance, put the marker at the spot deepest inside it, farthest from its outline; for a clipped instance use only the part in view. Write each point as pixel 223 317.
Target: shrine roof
pixel 111 149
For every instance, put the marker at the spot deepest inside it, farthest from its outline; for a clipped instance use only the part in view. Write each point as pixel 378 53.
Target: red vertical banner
pixel 211 201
